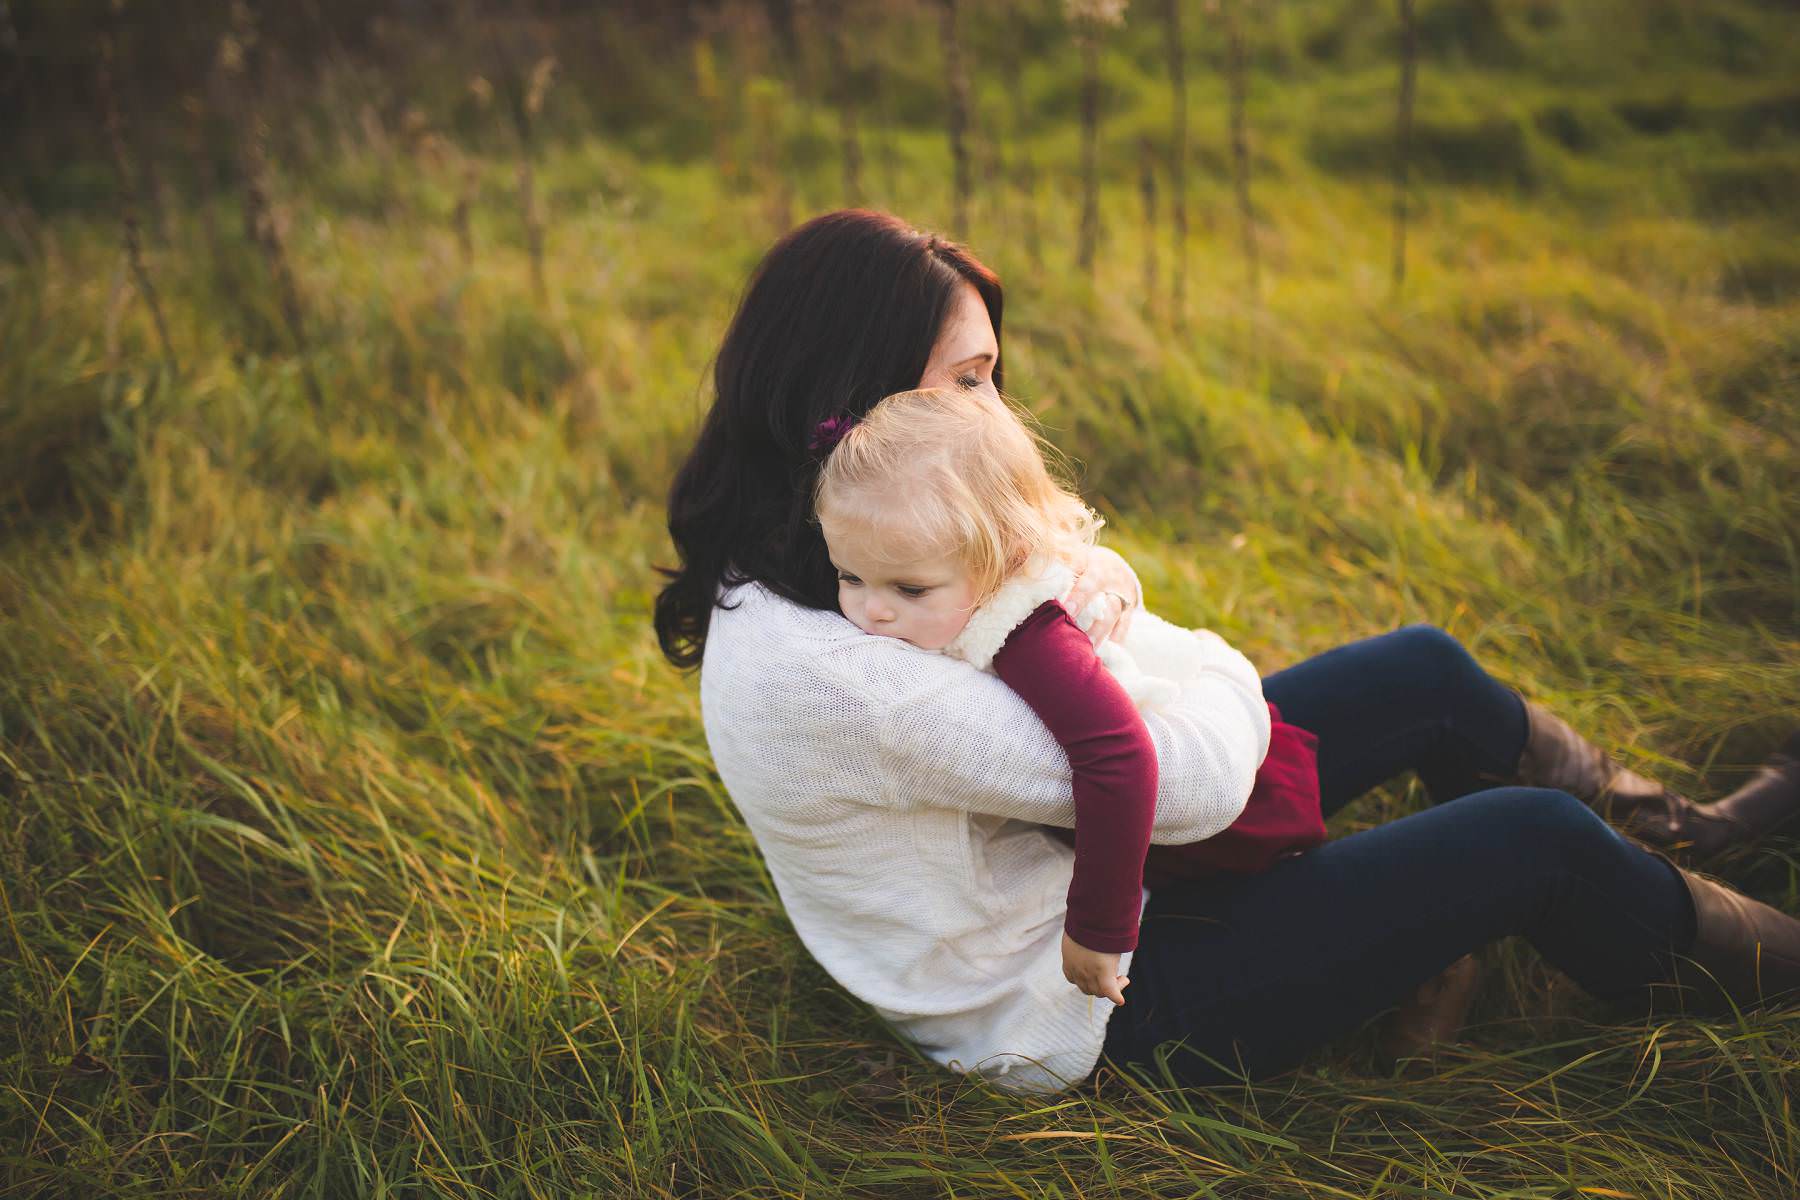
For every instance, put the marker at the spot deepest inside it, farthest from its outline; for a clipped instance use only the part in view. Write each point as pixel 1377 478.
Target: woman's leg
pixel 1413 699
pixel 1258 972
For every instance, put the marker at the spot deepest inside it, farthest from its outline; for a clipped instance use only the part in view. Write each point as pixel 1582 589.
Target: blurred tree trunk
pixel 707 86
pixel 1178 136
pixel 16 94
pixel 757 52
pixel 882 135
pixel 1403 123
pixel 846 85
pixel 784 25
pixel 1237 72
pixel 957 80
pixel 1088 38
pixel 1147 189
pixel 1090 19
pixel 1013 72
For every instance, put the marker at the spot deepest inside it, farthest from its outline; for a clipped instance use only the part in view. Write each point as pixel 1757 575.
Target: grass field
pixel 357 841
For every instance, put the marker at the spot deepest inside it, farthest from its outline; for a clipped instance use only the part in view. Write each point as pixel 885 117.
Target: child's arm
pixel 1051 665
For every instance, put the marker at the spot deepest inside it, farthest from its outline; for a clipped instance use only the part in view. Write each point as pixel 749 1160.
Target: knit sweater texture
pixel 897 796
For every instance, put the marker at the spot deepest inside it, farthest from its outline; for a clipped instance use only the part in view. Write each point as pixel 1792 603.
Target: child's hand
pixel 1094 973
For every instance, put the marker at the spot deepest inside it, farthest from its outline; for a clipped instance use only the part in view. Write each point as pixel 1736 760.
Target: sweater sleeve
pixel 1051 664
pixel 955 737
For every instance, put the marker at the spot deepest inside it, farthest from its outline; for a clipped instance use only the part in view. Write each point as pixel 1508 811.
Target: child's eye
pixel 913 592
pixel 846 577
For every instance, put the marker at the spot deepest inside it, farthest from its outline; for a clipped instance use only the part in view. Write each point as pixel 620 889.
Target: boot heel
pixel 1433 1015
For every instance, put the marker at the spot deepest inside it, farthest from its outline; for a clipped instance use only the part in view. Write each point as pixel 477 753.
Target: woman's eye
pixel 968 383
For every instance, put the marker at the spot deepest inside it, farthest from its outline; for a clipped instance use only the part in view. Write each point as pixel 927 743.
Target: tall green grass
pixel 357 842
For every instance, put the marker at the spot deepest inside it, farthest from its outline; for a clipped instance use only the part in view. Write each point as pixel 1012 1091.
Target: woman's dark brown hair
pixel 842 311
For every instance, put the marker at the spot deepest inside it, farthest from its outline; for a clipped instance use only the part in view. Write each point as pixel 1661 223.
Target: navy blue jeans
pixel 1256 972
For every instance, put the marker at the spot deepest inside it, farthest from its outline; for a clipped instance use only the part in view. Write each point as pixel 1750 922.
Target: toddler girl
pixel 948 531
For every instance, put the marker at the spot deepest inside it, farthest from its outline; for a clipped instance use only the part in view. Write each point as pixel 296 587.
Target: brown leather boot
pixel 1745 953
pixel 1432 1015
pixel 1556 756
pixel 1771 797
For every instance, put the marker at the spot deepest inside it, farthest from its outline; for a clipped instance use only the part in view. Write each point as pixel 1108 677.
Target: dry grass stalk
pixel 261 222
pixel 264 225
pixel 460 216
pixel 439 155
pixel 118 295
pixel 206 176
pixel 527 105
pixel 1178 138
pixel 1403 123
pixel 130 201
pixel 957 78
pixel 19 222
pixel 1237 74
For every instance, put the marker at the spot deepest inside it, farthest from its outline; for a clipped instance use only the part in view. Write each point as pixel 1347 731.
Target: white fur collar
pixel 993 622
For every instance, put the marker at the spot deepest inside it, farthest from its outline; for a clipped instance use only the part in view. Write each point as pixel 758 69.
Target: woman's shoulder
pixel 784 650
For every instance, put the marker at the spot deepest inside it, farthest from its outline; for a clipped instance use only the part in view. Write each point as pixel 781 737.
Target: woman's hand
pixel 1106 574
pixel 1096 974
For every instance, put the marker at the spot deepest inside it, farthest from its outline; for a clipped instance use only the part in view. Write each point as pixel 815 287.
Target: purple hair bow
pixel 828 433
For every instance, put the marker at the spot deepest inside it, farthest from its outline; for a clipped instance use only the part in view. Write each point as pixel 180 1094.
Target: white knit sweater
pixel 897 794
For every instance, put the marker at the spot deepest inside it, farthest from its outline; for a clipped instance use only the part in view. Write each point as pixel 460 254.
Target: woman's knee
pixel 1441 668
pixel 1539 820
pixel 1435 650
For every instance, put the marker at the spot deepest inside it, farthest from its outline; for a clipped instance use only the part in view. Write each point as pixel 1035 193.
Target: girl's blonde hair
pixel 959 474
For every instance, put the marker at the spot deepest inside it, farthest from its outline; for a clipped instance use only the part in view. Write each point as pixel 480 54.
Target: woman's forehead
pixel 967 331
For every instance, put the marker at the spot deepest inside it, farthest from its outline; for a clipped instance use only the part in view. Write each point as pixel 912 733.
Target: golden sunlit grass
pixel 359 843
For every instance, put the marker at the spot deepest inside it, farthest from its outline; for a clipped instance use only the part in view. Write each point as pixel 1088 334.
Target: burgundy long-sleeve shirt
pixel 1052 666
pixel 1050 663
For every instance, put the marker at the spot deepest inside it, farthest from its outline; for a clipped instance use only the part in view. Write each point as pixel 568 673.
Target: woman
pixel 901 799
